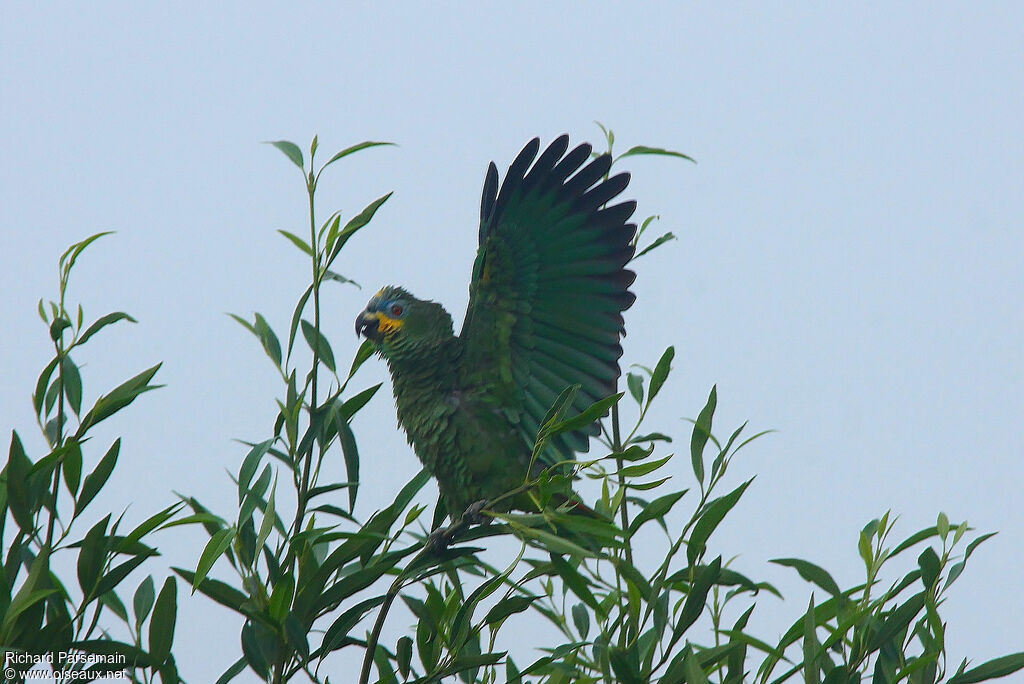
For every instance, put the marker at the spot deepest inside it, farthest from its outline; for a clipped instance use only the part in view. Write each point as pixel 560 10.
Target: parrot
pixel 546 299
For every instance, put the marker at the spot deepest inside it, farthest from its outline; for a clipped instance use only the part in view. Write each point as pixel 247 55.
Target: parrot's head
pixel 402 325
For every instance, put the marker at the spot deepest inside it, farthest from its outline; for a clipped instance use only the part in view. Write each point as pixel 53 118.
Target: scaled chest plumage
pixel 467 442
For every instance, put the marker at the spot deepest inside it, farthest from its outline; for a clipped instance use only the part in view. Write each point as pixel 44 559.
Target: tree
pixel 312 580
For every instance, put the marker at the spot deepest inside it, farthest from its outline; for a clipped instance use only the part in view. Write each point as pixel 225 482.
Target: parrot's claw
pixel 440 539
pixel 474 514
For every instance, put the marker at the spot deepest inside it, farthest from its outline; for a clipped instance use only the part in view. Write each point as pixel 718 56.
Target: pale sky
pixel 849 269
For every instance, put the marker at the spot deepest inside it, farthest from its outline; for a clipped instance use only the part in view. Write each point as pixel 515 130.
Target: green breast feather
pixel 548 290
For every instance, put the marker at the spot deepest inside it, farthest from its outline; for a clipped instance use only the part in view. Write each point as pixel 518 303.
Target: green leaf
pixel 269 515
pixel 217 545
pixel 318 343
pixel 661 372
pixel 255 495
pixel 930 566
pixel 338 278
pixel 701 433
pixel 142 602
pixel 694 671
pixel 72 384
pixel 19 490
pixel 508 606
pixel 268 339
pixel 865 550
pixel 469 662
pixel 58 327
pixel 232 671
pixel 355 224
pixel 915 538
pixel 346 622
pixel 102 322
pixel 812 573
pixel 68 258
pixel 993 669
pixel 812 654
pixel 352 405
pixel 92 555
pixel 165 614
pixel 298 242
pixel 651 437
pixel 585 417
pixel 353 149
pixel 119 397
pixel 112 601
pixel 222 593
pixel 73 467
pixel 296 316
pixel 351 454
pixel 636 387
pixel 977 542
pixel 581 619
pixel 641 469
pixel 626 664
pixel 281 598
pixel 654 245
pixel 403 654
pixel 898 620
pixel 95 480
pixel 709 520
pixel 942 525
pixel 575 581
pixel 257 643
pixel 290 149
pixel 655 510
pixel 638 150
pixel 41 385
pixel 364 352
pixel 249 465
pixel 706 577
pixel 116 575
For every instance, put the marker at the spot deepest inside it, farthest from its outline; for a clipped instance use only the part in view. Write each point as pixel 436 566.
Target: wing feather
pixel 549 287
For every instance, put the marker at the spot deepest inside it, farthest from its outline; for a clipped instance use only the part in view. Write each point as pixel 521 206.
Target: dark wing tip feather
pixel 545 164
pixel 516 173
pixel 603 193
pixel 490 193
pixel 617 215
pixel 587 176
pixel 570 163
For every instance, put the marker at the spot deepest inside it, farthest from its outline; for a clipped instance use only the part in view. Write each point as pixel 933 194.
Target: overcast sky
pixel 849 269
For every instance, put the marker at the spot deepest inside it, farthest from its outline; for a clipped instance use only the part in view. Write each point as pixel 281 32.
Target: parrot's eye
pixel 396 309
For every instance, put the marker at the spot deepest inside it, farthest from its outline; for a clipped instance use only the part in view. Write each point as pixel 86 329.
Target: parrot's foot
pixel 441 538
pixel 474 514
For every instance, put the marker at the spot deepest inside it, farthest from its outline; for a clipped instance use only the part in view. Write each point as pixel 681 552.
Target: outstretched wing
pixel 549 287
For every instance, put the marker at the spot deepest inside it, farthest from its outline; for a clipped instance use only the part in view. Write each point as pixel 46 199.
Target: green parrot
pixel 548 290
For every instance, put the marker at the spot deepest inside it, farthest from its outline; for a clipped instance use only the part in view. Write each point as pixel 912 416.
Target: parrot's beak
pixel 368 327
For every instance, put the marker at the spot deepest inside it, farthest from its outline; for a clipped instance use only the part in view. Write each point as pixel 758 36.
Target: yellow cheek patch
pixel 387 325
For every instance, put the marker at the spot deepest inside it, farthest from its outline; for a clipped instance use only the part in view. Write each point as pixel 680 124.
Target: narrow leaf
pixel 638 150
pixel 217 545
pixel 165 614
pixel 95 480
pixel 102 322
pixel 298 242
pixel 290 149
pixel 701 433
